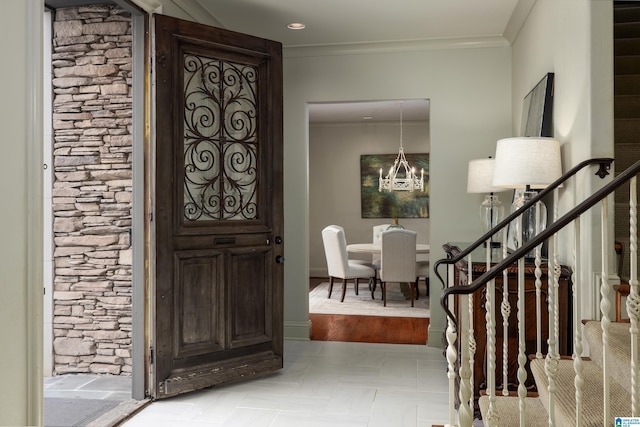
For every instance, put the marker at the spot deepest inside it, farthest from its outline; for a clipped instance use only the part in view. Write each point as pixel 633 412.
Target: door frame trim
pixel 139 222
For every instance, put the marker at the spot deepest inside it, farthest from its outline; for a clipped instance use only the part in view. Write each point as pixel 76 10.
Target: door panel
pixel 198 311
pixel 218 206
pixel 250 323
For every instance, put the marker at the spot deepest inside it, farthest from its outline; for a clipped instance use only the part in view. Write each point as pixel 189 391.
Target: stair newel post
pixel 633 300
pixel 452 354
pixel 505 309
pixel 605 307
pixel 465 328
pixel 577 327
pixel 472 339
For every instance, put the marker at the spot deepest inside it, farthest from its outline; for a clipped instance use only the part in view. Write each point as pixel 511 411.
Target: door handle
pixel 279 259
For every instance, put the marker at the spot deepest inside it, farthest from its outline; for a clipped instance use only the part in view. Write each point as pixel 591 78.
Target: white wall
pixel 573 39
pixel 470 98
pixel 22 194
pixel 334 179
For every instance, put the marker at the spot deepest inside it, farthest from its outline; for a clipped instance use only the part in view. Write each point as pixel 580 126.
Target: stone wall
pixel 92 120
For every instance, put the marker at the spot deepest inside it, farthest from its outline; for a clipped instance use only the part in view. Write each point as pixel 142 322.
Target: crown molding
pixel 518 18
pixel 393 47
pixel 198 12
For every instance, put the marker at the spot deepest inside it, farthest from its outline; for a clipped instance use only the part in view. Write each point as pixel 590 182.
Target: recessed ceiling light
pixel 296 26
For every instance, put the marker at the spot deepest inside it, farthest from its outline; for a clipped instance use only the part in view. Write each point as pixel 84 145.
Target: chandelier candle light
pixel 393 182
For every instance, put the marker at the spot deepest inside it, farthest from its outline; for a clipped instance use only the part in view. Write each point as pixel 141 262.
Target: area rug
pixel 398 301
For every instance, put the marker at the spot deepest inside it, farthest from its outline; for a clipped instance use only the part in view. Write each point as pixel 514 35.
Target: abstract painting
pixel 392 204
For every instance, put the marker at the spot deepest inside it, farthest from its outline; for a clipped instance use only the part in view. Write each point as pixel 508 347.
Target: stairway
pixel 626 108
pixel 537 408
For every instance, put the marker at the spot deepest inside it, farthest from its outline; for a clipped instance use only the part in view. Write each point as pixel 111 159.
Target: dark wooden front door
pixel 218 217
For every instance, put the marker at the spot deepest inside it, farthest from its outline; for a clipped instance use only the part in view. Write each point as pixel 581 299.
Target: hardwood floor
pixel 371 329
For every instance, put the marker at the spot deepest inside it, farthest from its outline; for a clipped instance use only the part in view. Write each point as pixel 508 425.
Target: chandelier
pixel 394 180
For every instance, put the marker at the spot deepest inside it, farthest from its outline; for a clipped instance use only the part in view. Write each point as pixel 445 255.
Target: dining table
pixel 376 248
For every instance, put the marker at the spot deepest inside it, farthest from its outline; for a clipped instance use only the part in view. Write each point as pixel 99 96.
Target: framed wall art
pixel 537 118
pixel 392 204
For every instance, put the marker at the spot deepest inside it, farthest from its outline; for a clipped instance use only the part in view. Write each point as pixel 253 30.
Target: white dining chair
pixel 357 261
pixel 398 260
pixel 338 263
pixel 375 258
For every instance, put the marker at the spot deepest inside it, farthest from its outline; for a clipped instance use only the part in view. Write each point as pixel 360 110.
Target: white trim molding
pixel 300 331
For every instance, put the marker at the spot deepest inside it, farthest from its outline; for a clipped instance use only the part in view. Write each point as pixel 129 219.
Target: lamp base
pixel 533 221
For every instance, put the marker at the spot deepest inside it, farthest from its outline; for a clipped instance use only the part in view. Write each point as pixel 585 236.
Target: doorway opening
pixel 340 133
pixel 93 209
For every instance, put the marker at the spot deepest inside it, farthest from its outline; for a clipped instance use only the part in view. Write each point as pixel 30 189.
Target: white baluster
pixel 505 309
pixel 605 306
pixel 490 316
pixel 452 355
pixel 551 361
pixel 465 410
pixel 522 357
pixel 557 270
pixel 633 300
pixel 538 283
pixel 472 335
pixel 553 356
pixel 473 346
pixel 577 325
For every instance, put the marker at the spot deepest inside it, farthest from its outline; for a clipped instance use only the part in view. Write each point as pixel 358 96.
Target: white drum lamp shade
pixel 480 177
pixel 479 180
pixel 523 162
pixel 528 163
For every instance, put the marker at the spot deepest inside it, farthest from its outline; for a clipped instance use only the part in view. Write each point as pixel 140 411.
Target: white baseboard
pixel 297 330
pixel 436 337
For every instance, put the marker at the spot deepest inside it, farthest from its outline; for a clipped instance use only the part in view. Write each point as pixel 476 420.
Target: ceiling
pixel 359 22
pixel 346 22
pixel 354 23
pixel 331 22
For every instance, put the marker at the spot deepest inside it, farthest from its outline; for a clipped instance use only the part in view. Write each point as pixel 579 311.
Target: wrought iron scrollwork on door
pixel 220 140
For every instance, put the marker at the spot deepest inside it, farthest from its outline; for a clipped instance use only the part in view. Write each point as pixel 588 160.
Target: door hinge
pixel 150 355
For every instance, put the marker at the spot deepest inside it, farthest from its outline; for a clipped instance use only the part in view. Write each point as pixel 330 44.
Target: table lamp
pixel 480 180
pixel 528 164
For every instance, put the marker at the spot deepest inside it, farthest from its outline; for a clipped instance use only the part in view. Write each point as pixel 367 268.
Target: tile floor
pixel 80 399
pixel 88 387
pixel 322 384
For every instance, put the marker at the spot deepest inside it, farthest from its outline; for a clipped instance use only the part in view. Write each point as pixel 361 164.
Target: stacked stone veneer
pixel 92 120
